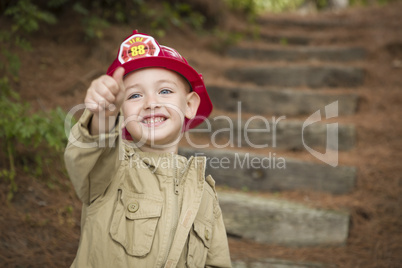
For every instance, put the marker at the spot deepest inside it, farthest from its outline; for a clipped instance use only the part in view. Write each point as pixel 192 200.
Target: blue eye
pixel 165 91
pixel 135 96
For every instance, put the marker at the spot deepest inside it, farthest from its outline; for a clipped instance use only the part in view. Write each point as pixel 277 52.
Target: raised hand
pixel 104 99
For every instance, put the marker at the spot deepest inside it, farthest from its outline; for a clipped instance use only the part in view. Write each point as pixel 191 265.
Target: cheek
pixel 130 113
pixel 176 111
pixel 180 106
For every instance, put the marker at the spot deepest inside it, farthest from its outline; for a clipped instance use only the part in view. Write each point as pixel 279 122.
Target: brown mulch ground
pixel 40 228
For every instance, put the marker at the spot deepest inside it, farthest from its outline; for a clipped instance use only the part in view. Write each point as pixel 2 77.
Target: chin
pixel 161 137
pixel 161 140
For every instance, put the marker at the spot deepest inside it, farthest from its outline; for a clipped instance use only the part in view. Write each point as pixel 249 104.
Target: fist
pixel 106 93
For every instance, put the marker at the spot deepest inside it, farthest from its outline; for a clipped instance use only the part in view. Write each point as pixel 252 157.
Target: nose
pixel 151 102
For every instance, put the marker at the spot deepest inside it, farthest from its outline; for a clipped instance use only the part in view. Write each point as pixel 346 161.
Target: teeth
pixel 153 120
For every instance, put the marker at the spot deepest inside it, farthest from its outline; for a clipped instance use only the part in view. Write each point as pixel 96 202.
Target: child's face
pixel 156 102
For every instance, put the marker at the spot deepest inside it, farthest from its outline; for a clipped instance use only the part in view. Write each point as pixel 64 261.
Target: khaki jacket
pixel 143 209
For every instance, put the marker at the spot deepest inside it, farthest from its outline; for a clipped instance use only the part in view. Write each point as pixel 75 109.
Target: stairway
pixel 292 90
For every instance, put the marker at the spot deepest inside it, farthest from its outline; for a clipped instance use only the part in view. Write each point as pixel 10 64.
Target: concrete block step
pixel 281 222
pixel 270 172
pixel 279 102
pixel 278 263
pixel 261 132
pixel 299 54
pixel 298 76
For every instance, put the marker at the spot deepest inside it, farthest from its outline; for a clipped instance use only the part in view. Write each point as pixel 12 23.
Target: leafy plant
pixel 19 126
pixel 248 7
pixel 368 2
pixel 27 16
pixel 224 39
pixel 176 14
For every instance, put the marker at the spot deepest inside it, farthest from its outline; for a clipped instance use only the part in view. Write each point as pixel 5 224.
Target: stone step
pixel 299 76
pixel 299 54
pixel 280 222
pixel 270 172
pixel 278 263
pixel 279 101
pixel 262 132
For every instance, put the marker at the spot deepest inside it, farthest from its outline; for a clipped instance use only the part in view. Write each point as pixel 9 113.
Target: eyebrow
pixel 167 81
pixel 157 82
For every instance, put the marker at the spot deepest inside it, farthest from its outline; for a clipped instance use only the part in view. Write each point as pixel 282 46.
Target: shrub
pixel 19 125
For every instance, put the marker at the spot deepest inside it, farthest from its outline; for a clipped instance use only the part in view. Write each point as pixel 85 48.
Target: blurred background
pixel 275 58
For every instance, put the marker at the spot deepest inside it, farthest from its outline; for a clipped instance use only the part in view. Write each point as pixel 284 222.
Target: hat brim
pixel 192 76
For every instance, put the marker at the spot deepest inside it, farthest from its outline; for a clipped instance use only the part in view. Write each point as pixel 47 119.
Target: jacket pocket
pixel 134 222
pixel 199 243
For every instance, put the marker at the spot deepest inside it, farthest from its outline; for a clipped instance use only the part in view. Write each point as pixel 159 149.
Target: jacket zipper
pixel 175 208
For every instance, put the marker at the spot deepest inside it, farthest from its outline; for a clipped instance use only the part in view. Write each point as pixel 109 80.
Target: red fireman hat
pixel 141 51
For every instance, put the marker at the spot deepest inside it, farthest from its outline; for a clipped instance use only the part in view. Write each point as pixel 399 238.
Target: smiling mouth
pixel 155 121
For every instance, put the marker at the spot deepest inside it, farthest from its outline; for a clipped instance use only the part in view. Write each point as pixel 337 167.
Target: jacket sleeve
pixel 218 253
pixel 91 160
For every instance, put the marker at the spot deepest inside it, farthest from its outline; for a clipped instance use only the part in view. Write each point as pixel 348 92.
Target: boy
pixel 144 205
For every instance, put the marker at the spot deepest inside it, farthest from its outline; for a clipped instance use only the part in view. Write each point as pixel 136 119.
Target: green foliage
pixel 56 3
pixel 177 14
pixel 98 15
pixel 20 127
pixel 254 7
pixel 180 14
pixel 321 4
pixel 10 64
pixel 368 2
pixel 248 7
pixel 26 16
pixel 283 5
pixel 224 39
pixel 94 27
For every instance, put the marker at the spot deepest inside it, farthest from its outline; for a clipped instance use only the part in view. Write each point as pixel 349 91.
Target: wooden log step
pixel 307 24
pixel 300 40
pixel 278 263
pixel 271 172
pixel 279 102
pixel 335 54
pixel 260 132
pixel 281 222
pixel 298 76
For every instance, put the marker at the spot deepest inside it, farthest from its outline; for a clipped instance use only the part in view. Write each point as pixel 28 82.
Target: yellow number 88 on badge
pixel 137 50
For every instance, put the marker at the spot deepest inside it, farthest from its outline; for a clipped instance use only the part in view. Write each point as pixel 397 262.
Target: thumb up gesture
pixel 104 98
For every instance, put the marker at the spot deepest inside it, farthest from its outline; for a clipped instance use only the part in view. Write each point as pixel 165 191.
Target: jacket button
pixel 206 234
pixel 133 207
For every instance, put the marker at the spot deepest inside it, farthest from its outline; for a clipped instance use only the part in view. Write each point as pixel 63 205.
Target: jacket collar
pixel 165 163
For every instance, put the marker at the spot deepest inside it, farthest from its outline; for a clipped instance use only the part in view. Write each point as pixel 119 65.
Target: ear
pixel 193 101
